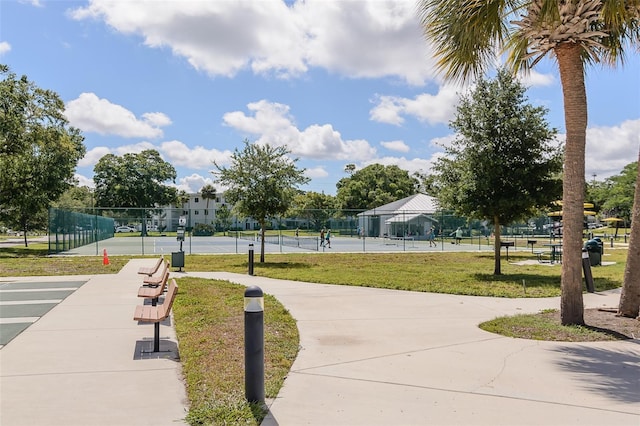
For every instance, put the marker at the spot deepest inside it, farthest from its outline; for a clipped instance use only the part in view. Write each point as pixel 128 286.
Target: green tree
pixel 618 192
pixel 502 166
pixel 208 192
pixel 374 186
pixel 467 35
pixel 75 198
pixel 630 297
pixel 316 207
pixel 261 182
pixel 134 180
pixel 223 218
pixel 39 151
pixel 350 168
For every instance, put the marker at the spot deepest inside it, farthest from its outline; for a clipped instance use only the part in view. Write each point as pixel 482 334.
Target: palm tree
pixel 630 296
pixel 208 192
pixel 467 35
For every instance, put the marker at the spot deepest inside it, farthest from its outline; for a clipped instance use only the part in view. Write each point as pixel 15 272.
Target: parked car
pixel 125 229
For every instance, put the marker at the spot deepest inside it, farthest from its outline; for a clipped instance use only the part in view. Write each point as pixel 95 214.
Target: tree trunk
pixel 496 247
pixel 262 225
pixel 630 296
pixel 575 116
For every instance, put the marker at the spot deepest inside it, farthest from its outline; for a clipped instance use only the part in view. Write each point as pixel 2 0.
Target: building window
pixel 196 212
pixel 195 200
pixel 185 212
pixel 206 212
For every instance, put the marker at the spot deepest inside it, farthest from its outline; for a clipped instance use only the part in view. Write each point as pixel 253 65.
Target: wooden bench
pixel 151 270
pixel 153 292
pixel 157 314
pixel 156 280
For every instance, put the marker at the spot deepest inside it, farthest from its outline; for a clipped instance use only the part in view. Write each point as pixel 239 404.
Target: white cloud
pixel 434 109
pixel 134 148
pixel 411 165
pixel 5 47
pixel 271 123
pixel 609 149
pixel 194 183
pixel 443 141
pixel 535 79
pixel 360 39
pixel 316 172
pixel 92 156
pixel 179 154
pixel 92 114
pixel 36 3
pixel 399 146
pixel 84 181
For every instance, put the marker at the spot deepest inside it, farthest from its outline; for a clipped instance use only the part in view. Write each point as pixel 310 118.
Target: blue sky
pixel 337 81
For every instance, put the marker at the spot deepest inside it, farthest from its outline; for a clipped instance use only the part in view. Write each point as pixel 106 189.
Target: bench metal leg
pixel 156 337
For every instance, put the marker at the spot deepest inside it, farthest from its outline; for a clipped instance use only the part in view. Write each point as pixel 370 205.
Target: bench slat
pixel 154 292
pixel 146 313
pixel 157 279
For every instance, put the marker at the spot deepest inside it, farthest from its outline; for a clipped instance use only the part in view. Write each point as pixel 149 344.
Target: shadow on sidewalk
pixel 614 373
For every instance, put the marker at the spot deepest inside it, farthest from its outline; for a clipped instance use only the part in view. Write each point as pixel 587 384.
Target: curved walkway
pixel 384 357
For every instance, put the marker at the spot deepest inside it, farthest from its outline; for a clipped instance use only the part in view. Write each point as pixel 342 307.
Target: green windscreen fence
pixel 68 230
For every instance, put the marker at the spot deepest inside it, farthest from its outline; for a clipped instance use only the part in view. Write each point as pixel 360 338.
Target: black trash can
pixel 177 259
pixel 595 252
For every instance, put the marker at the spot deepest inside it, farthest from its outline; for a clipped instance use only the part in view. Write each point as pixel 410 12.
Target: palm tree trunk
pixel 496 246
pixel 630 296
pixel 575 116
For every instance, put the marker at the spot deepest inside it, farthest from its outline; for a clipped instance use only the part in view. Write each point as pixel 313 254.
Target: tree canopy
pixel 39 151
pixel 134 180
pixel 75 198
pixel 614 196
pixel 502 165
pixel 373 186
pixel 316 207
pixel 261 182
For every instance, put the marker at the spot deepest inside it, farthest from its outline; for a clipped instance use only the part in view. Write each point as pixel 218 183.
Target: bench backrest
pixel 165 308
pixel 157 279
pixel 152 270
pixel 155 292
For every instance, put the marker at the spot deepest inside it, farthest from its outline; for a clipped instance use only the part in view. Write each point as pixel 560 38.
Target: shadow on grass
pixel 531 280
pixel 614 373
pixel 21 251
pixel 542 281
pixel 283 265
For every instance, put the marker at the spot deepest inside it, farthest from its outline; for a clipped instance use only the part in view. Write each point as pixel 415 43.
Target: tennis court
pixel 273 244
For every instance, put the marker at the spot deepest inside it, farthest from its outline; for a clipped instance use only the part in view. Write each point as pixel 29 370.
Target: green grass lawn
pixel 440 272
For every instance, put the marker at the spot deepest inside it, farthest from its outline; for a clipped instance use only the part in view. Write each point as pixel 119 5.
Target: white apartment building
pixel 200 210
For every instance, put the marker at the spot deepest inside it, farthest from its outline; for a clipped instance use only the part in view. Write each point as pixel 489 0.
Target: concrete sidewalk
pixel 383 357
pixel 81 363
pixel 368 357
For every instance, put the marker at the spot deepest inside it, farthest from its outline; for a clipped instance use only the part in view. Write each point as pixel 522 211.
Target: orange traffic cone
pixel 105 258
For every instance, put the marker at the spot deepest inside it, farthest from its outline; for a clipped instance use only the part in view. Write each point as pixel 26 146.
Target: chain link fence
pixel 148 231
